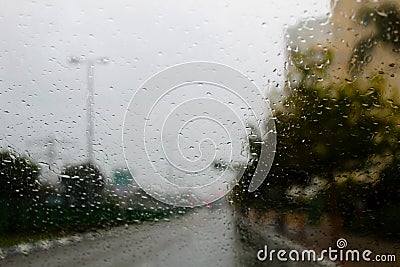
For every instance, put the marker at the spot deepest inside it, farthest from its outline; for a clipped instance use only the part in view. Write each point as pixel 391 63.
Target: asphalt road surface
pixel 204 237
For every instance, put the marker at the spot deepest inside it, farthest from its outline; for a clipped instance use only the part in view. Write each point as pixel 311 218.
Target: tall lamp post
pixel 90 63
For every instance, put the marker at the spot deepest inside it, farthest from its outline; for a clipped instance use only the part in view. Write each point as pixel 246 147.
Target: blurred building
pixel 362 36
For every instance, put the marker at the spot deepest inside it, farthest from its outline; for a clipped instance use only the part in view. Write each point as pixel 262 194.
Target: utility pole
pixel 90 63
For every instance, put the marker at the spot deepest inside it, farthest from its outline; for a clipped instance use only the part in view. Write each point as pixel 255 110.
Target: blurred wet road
pixel 204 237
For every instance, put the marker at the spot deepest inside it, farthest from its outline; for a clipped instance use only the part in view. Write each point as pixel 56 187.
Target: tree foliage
pixel 82 184
pixel 18 177
pixel 331 130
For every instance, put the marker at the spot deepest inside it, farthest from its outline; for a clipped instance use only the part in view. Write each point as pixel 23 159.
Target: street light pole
pixel 89 110
pixel 90 63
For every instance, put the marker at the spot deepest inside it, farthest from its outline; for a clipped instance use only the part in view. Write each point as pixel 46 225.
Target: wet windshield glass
pixel 199 133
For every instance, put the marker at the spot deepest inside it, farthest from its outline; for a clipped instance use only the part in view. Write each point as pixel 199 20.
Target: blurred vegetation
pixel 19 177
pixel 31 210
pixel 344 136
pixel 82 184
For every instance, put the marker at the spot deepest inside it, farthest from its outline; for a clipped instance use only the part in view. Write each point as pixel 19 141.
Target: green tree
pixel 82 184
pixel 19 186
pixel 293 159
pixel 326 130
pixel 19 177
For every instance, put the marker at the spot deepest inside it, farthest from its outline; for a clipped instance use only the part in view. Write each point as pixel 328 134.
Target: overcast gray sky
pixel 41 94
